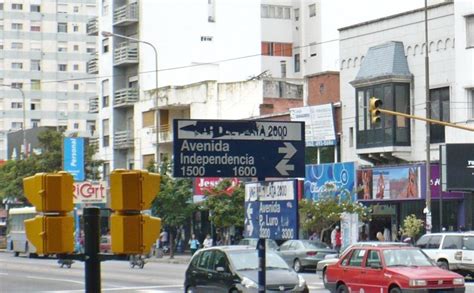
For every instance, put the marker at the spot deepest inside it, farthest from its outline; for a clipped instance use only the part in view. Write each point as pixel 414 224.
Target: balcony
pixel 93 64
pixel 126 15
pixel 123 139
pixel 126 54
pixel 125 97
pixel 94 142
pixel 94 104
pixel 93 26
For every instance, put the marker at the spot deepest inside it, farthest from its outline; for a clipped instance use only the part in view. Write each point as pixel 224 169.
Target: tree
pixel 412 226
pixel 322 215
pixel 174 203
pixel 226 206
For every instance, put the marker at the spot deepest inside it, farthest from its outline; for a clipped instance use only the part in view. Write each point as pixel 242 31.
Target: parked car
pixel 304 254
pixel 334 258
pixel 269 243
pixel 392 269
pixel 235 269
pixel 451 251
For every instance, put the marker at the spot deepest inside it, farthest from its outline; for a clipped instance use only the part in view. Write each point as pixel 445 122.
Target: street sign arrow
pixel 289 150
pixel 283 167
pixel 249 219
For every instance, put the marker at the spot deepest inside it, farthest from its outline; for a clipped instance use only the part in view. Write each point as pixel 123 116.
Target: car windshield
pixel 253 242
pixel 314 245
pixel 406 258
pixel 248 260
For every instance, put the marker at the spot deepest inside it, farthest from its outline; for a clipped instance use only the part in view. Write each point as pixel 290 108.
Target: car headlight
pixel 458 281
pixel 247 283
pixel 417 283
pixel 301 281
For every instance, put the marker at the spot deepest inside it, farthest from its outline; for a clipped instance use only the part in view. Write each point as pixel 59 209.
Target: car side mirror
pixel 375 265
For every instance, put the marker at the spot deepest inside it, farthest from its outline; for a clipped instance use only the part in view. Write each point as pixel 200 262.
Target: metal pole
pixel 261 266
pixel 428 116
pixel 24 123
pixel 91 249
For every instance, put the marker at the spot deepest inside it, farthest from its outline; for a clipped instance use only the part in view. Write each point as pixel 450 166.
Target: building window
pixel 76 48
pixel 211 11
pixel 297 62
pixel 17 45
pixel 76 87
pixel 90 50
pixel 17 85
pixel 277 49
pixel 351 137
pixel 105 45
pixel 76 9
pixel 297 14
pixel 17 6
pixel 148 119
pixel 62 27
pixel 17 65
pixel 62 67
pixel 470 31
pixel 35 85
pixel 470 96
pixel 75 28
pixel 105 133
pixel 17 26
pixel 17 125
pixel 35 27
pixel 105 93
pixel 76 125
pixel 17 105
pixel 1 6
pixel 62 8
pixel 275 11
pixel 439 102
pixel 35 105
pixel 62 47
pixel 312 49
pixel 35 123
pixel 35 8
pixel 35 65
pixel 76 67
pixel 312 10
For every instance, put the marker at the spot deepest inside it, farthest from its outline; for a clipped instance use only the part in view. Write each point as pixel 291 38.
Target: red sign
pixel 87 192
pixel 202 185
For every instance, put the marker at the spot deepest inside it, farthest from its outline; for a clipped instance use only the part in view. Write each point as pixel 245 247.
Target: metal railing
pixel 93 26
pixel 126 97
pixel 123 139
pixel 126 14
pixel 94 104
pixel 93 64
pixel 126 52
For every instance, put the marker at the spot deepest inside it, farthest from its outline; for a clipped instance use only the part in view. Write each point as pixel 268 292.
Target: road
pixel 21 274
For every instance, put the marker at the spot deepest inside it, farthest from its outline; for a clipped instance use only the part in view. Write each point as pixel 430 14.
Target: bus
pixel 16 235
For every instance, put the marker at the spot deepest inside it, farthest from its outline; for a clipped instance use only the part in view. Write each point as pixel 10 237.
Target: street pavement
pixel 21 274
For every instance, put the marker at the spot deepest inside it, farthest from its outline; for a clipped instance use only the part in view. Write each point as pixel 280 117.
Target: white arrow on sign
pixel 283 167
pixel 249 217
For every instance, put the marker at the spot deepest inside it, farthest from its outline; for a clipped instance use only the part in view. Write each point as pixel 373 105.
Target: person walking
pixel 208 241
pixel 193 244
pixel 338 240
pixel 333 237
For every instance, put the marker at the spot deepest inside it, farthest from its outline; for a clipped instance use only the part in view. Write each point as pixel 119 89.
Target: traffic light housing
pixel 52 230
pixel 374 105
pixel 131 192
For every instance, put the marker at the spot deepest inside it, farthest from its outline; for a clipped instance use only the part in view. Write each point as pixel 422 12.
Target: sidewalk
pixel 178 259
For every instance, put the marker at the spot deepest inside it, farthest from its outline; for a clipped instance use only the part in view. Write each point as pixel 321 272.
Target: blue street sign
pixel 226 148
pixel 74 157
pixel 271 210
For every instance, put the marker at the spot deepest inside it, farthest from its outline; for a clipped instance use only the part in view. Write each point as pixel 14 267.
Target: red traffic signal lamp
pixel 374 105
pixel 131 192
pixel 52 231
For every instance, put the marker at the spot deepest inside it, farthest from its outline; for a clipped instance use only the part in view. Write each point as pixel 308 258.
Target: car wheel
pixel 443 264
pixel 297 266
pixel 342 289
pixel 190 289
pixel 395 290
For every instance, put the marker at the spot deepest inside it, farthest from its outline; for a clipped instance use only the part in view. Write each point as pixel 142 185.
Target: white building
pixel 44 50
pixel 212 58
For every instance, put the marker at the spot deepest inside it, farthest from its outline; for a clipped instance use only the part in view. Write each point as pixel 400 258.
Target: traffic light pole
pixel 261 266
pixel 91 249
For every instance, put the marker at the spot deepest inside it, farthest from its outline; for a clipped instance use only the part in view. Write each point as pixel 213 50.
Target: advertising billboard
pixel 74 157
pixel 396 183
pixel 89 192
pixel 319 124
pixel 458 160
pixel 202 185
pixel 330 180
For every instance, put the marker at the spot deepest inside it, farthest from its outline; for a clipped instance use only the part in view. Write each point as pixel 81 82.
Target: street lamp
pixel 157 116
pixel 24 116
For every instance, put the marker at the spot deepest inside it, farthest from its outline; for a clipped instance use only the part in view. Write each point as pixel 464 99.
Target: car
pixel 333 258
pixel 391 269
pixel 235 269
pixel 304 254
pixel 269 243
pixel 451 251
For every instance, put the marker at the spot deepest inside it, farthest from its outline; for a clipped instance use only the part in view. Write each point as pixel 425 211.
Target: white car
pixel 453 251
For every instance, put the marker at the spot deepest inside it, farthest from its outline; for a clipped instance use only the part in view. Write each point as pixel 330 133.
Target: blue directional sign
pixel 226 148
pixel 271 210
pixel 74 157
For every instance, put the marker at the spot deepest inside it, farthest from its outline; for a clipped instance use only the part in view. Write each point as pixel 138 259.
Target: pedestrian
pixel 314 236
pixel 164 238
pixel 338 240
pixel 208 241
pixel 380 236
pixel 193 244
pixel 333 237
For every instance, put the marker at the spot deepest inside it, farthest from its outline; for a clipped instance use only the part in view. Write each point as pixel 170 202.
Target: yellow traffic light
pixel 52 231
pixel 131 192
pixel 374 105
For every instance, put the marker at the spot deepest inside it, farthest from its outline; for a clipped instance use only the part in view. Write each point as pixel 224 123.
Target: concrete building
pixel 385 58
pixel 44 50
pixel 208 67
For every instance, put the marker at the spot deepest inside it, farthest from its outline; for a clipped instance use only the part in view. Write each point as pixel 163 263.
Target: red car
pixel 389 269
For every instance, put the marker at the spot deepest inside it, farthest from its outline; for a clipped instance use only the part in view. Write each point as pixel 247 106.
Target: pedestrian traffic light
pixel 374 110
pixel 131 192
pixel 52 231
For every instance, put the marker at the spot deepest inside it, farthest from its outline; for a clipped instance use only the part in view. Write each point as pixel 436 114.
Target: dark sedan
pixel 304 254
pixel 235 269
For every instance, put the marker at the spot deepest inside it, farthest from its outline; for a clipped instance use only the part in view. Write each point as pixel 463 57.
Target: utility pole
pixel 428 128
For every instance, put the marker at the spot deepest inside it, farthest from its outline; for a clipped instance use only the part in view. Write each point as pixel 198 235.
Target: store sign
pixel 319 124
pixel 74 157
pixel 329 180
pixel 436 186
pixel 458 166
pixel 203 186
pixel 395 183
pixel 88 192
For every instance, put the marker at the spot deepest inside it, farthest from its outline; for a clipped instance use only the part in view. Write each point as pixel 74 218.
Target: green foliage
pixel 412 226
pixel 226 208
pixel 321 215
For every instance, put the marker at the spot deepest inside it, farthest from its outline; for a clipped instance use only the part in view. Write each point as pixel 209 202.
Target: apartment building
pixel 216 60
pixel 44 50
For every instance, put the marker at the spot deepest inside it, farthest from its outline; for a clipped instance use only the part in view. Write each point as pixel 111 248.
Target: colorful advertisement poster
pixel 74 157
pixel 364 184
pixel 203 185
pixel 330 180
pixel 396 183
